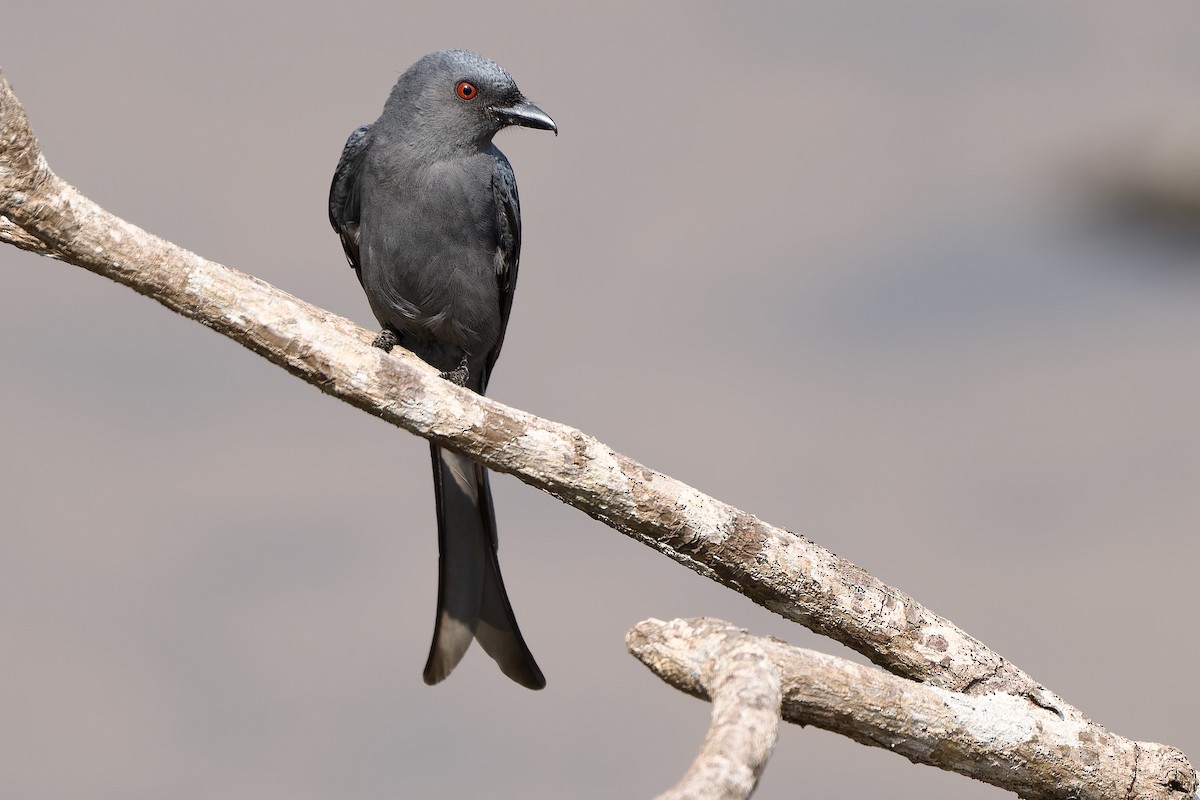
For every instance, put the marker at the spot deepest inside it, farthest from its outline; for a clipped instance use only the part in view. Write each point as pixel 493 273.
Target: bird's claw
pixel 458 376
pixel 386 340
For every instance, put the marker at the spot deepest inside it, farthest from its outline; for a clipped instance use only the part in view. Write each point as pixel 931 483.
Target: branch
pixel 778 569
pixel 735 672
pixel 997 738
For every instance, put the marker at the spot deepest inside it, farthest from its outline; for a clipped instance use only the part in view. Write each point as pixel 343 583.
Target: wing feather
pixel 345 195
pixel 508 251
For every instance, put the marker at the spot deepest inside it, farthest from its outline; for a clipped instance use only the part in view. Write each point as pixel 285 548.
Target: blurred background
pixel 919 280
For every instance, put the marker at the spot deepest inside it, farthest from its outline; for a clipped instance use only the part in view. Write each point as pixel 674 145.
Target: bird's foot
pixel 386 340
pixel 458 376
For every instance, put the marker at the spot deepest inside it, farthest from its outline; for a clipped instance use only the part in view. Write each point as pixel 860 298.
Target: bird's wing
pixel 508 220
pixel 345 197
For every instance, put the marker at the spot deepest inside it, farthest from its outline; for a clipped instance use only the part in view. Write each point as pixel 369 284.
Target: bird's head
pixel 460 96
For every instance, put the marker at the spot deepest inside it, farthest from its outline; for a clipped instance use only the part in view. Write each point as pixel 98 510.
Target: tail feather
pixel 472 602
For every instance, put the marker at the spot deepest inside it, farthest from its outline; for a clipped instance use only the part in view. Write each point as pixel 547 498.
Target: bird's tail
pixel 472 602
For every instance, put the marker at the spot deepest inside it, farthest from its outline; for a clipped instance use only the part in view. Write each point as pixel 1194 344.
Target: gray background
pixel 839 264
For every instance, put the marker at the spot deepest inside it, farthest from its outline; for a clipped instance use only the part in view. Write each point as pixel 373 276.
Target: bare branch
pixel 778 569
pixel 996 738
pixel 733 670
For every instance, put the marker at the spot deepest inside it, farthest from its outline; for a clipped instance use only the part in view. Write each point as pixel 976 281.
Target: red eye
pixel 466 90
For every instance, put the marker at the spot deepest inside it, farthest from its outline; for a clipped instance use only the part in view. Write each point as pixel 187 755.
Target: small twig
pixel 14 235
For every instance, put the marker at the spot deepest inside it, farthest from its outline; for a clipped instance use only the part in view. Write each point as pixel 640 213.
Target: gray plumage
pixel 427 211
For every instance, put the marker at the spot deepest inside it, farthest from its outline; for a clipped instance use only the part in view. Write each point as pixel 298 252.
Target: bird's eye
pixel 466 90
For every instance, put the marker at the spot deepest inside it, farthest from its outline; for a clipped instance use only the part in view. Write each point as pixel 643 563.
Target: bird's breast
pixel 429 237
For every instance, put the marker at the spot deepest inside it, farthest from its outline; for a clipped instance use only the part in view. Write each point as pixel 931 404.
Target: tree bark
pixel 778 569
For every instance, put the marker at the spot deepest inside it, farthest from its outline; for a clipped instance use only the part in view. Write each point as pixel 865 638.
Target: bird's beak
pixel 525 114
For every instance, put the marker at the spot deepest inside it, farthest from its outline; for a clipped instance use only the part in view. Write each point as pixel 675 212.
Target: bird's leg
pixel 458 376
pixel 388 338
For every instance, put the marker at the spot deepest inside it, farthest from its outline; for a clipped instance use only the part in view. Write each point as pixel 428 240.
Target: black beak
pixel 525 114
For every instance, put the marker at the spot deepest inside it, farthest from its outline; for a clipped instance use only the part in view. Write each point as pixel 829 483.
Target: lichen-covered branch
pixel 996 738
pixel 780 570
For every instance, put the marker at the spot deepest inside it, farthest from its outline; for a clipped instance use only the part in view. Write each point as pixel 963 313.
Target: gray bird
pixel 427 211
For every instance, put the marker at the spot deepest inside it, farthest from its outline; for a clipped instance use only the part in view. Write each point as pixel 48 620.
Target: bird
pixel 427 211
